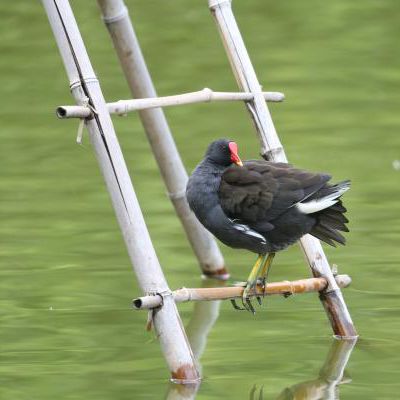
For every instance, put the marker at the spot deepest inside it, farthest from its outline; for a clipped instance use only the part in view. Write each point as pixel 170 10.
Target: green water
pixel 67 329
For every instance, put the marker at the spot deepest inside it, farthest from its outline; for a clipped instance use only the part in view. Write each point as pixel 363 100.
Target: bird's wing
pixel 260 191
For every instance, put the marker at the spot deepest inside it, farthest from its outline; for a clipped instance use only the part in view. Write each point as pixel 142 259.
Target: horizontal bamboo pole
pixel 231 292
pixel 205 95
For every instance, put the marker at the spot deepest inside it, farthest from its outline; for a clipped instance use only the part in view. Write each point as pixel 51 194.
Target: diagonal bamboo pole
pixel 271 148
pixel 115 16
pixel 86 89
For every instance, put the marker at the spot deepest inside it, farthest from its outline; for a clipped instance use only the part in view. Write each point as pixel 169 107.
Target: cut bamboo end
pixel 231 292
pixel 73 112
pixel 205 95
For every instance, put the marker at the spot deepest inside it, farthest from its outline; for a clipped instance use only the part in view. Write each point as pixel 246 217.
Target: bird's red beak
pixel 234 154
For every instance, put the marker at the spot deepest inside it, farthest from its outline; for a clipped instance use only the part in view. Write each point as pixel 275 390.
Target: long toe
pixel 248 305
pixel 235 306
pixel 246 298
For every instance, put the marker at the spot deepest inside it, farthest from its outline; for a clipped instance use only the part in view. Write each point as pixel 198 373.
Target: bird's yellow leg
pixel 251 282
pixel 265 270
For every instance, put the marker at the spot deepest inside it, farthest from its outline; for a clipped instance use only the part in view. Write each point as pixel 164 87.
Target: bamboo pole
pixel 115 16
pixel 86 89
pixel 272 149
pixel 122 107
pixel 231 292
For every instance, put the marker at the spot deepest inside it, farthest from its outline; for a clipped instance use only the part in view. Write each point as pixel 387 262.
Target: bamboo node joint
pixel 177 195
pixel 123 12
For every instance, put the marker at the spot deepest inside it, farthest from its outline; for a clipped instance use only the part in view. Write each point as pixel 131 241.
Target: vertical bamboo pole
pixel 272 149
pixel 85 88
pixel 116 18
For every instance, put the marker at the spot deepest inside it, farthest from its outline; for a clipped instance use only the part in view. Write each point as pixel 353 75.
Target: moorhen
pixel 263 206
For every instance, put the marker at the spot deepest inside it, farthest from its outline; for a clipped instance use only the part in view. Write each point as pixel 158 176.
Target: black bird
pixel 263 206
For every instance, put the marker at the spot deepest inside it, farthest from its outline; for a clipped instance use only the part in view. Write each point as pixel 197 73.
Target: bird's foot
pixel 247 306
pixel 261 265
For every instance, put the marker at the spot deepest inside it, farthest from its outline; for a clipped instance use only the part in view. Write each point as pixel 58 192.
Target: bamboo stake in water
pixel 202 319
pixel 86 89
pixel 272 149
pixel 115 16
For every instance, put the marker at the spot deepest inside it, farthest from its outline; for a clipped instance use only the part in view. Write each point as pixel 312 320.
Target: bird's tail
pixel 331 219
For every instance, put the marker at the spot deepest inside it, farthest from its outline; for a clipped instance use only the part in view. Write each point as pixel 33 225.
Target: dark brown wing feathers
pixel 261 191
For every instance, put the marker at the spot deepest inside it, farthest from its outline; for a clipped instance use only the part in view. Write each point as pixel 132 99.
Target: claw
pixel 235 306
pixel 251 308
pixel 245 307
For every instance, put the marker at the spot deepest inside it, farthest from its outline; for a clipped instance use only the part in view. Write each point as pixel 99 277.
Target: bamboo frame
pixel 271 149
pixel 122 107
pixel 116 18
pixel 92 107
pixel 86 89
pixel 232 292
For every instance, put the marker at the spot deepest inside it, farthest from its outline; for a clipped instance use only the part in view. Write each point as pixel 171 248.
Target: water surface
pixel 67 328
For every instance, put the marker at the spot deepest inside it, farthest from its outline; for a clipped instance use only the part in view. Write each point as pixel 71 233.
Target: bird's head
pixel 224 152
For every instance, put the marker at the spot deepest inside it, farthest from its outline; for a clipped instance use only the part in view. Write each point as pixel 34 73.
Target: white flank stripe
pixel 245 229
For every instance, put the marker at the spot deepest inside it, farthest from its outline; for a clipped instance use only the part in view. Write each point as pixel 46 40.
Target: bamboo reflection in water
pixel 326 385
pixel 203 318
